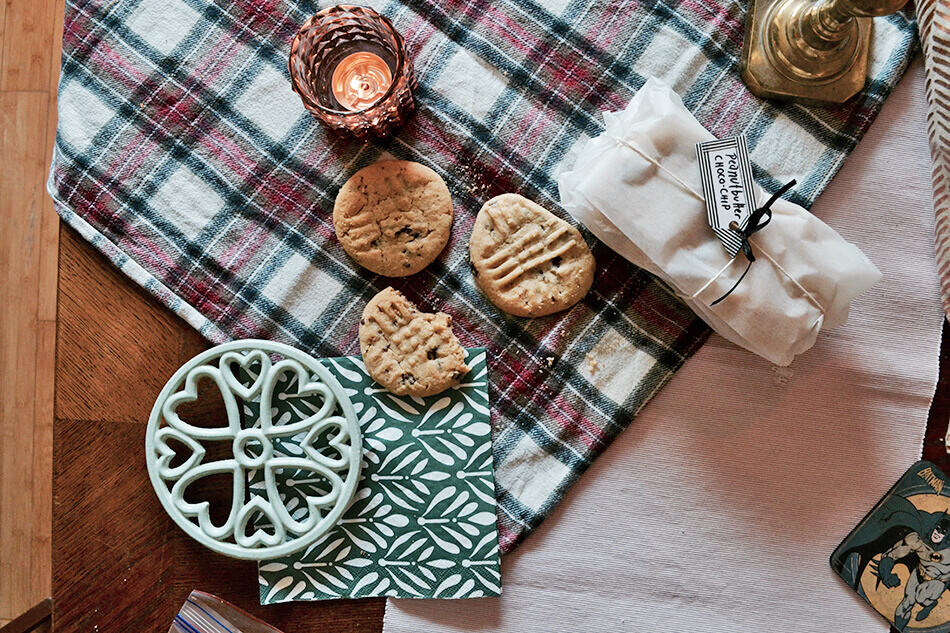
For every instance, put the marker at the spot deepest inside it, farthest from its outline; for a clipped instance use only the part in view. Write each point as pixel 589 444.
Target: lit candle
pixel 360 86
pixel 360 80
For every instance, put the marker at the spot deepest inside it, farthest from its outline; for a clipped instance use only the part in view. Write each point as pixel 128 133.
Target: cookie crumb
pixel 550 361
pixel 592 365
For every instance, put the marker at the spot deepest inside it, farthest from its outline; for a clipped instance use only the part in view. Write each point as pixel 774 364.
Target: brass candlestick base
pixel 810 50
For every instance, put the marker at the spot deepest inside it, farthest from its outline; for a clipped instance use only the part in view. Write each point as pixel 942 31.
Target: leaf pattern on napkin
pixel 423 521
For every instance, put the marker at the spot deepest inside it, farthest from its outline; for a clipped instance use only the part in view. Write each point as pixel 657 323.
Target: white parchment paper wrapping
pixel 637 187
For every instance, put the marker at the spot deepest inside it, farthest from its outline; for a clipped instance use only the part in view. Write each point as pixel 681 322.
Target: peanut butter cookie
pixel 407 351
pixel 526 260
pixel 393 217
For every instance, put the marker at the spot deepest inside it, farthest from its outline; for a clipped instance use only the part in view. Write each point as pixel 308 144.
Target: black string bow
pixel 758 220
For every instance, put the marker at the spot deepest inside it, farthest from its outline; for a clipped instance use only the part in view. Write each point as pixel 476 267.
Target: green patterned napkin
pixel 422 522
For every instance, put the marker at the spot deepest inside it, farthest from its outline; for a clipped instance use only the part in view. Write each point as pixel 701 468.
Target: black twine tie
pixel 759 219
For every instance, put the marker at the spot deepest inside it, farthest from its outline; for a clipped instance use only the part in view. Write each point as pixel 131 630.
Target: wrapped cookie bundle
pixel 638 188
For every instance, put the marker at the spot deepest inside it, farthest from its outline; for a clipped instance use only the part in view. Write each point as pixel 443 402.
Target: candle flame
pixel 360 80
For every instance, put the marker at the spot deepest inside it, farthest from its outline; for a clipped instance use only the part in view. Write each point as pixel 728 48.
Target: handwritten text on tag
pixel 728 187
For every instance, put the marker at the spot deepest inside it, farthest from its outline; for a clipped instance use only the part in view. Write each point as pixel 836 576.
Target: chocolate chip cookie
pixel 393 217
pixel 407 351
pixel 526 260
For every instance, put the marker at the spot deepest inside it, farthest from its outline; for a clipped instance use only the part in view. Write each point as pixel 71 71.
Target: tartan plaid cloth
pixel 183 155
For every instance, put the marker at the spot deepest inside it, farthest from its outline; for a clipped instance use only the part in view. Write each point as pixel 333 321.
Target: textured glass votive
pixel 350 67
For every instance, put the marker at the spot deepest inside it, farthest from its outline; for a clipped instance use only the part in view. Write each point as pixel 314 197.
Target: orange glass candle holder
pixel 350 67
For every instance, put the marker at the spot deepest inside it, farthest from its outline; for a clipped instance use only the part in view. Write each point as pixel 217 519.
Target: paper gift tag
pixel 728 188
pixel 422 522
pixel 898 557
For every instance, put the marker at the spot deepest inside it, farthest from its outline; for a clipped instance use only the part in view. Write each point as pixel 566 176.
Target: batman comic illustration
pixel 902 535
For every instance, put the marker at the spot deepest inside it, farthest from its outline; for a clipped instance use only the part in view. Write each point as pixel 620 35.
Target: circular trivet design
pixel 271 393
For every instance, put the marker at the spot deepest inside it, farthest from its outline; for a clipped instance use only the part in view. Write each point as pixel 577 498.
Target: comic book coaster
pixel 898 557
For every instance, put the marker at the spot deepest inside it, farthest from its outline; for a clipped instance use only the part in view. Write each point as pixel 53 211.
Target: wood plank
pixel 35 620
pixel 49 228
pixel 48 256
pixel 22 148
pixel 3 13
pixel 118 345
pixel 41 565
pixel 27 46
pixel 56 45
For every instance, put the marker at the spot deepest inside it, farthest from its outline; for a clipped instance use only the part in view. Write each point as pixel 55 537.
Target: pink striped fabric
pixel 934 24
pixel 206 613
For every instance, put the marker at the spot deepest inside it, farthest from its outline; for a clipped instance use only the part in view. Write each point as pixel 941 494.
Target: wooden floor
pixel 119 563
pixel 30 40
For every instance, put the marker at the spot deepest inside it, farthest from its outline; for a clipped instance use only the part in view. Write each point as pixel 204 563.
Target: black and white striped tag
pixel 728 187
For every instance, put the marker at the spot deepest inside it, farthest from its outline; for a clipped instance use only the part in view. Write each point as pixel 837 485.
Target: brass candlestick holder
pixel 810 50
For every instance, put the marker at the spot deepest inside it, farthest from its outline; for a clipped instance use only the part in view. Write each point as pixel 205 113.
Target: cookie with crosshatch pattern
pixel 526 260
pixel 393 217
pixel 410 352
